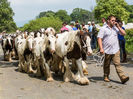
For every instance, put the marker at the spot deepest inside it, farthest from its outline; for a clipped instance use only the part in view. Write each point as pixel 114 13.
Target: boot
pixel 124 58
pixel 124 79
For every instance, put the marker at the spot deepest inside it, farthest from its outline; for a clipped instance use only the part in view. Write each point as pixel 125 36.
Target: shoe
pixel 106 79
pixel 123 61
pixel 124 80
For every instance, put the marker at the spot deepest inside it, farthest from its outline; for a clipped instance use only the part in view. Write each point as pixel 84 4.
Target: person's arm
pixel 122 31
pixel 100 45
pixel 100 37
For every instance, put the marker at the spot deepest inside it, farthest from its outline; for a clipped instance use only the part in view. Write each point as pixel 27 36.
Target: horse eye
pixel 48 42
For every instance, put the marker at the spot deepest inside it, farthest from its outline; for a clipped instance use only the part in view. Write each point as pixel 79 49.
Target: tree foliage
pixel 105 8
pixel 129 40
pixel 62 14
pixel 81 15
pixel 6 17
pixel 130 9
pixel 46 14
pixel 43 22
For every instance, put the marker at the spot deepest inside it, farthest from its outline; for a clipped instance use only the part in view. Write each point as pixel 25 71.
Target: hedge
pixel 43 22
pixel 129 40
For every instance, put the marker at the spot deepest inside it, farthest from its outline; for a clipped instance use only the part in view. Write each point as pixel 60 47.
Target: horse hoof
pixel 50 79
pixel 10 59
pixel 83 81
pixel 66 79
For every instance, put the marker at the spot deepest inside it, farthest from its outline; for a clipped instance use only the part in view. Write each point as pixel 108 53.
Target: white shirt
pixel 109 39
pixel 104 23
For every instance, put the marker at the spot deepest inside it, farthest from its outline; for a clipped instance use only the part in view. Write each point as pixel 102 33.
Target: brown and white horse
pixel 69 46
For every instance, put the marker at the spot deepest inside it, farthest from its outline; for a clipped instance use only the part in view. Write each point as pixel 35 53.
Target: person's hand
pixel 117 25
pixel 101 51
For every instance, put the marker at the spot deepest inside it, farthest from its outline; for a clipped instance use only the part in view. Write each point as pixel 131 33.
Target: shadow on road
pixel 115 81
pixel 5 64
pixel 95 79
pixel 127 65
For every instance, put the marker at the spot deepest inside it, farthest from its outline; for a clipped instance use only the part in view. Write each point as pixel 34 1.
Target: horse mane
pixel 73 36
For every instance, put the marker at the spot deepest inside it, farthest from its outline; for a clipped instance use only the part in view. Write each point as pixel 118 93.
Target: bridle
pixel 85 46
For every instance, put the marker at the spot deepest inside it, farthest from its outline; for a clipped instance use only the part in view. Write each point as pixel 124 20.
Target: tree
pixel 43 22
pixel 105 8
pixel 6 17
pixel 130 9
pixel 81 15
pixel 75 15
pixel 62 14
pixel 46 14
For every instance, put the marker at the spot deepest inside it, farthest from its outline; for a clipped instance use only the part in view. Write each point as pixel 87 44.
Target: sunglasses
pixel 113 20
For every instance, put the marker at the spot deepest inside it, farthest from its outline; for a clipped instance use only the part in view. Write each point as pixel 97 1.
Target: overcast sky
pixel 26 10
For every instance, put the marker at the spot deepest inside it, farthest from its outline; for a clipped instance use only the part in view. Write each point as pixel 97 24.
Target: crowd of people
pixel 90 29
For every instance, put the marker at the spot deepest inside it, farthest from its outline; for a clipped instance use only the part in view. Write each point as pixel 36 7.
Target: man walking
pixel 108 44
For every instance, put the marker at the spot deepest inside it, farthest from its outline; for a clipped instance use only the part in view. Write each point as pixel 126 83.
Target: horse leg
pixel 85 71
pixel 68 76
pixel 10 59
pixel 80 78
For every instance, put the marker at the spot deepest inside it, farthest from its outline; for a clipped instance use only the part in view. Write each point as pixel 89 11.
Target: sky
pixel 26 10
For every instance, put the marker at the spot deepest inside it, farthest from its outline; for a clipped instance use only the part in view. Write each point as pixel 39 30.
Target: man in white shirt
pixel 108 44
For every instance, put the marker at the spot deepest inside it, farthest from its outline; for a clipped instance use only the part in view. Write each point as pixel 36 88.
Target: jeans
pixel 93 41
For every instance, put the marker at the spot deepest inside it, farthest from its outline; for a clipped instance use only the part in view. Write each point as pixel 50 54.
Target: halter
pixel 85 46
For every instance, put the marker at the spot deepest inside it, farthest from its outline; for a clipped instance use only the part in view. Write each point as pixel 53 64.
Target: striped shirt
pixel 109 39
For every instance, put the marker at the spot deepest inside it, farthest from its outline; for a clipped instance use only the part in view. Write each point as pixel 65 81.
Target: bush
pixel 43 22
pixel 129 40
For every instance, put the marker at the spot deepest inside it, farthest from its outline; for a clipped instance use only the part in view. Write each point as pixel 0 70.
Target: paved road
pixel 17 85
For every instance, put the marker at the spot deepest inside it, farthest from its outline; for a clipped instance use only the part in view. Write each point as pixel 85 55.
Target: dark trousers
pixel 122 50
pixel 93 41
